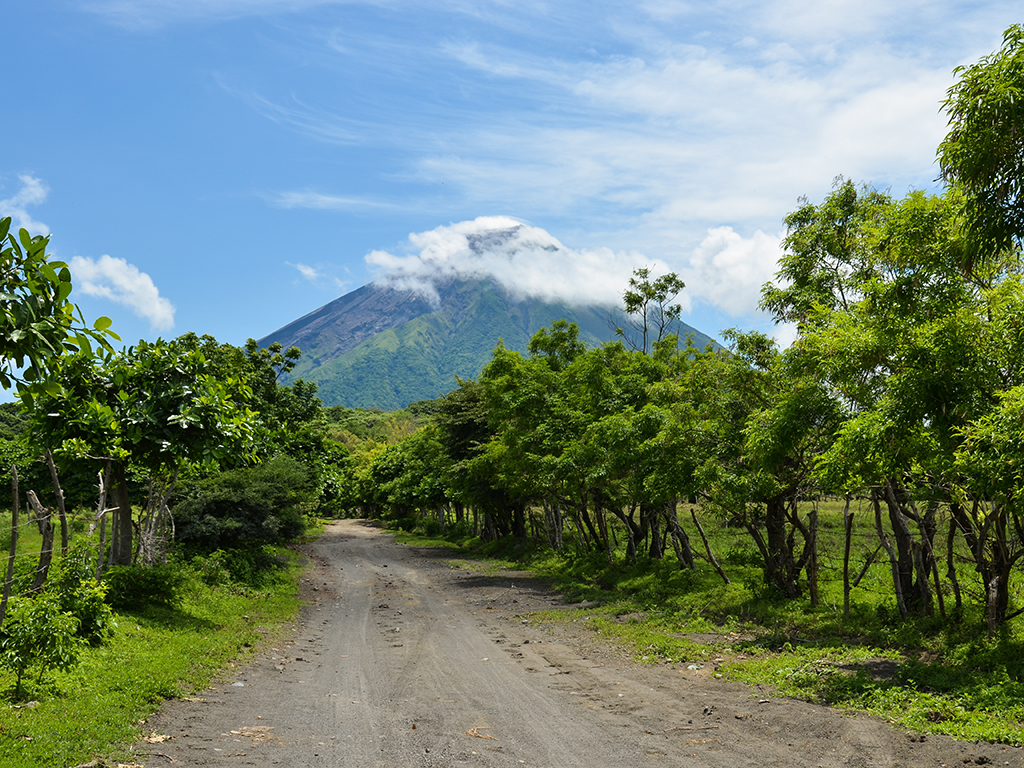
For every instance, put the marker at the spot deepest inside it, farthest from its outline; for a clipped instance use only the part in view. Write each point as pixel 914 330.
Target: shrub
pixel 235 509
pixel 73 583
pixel 135 586
pixel 248 566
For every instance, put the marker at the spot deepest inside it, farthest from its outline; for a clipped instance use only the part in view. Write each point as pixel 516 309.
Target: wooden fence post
pixel 14 542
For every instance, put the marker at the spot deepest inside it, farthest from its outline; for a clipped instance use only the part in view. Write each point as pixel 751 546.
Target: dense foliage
pixel 903 393
pixel 902 389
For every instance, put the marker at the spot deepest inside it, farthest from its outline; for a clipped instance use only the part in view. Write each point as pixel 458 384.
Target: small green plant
pixel 91 712
pixel 212 568
pixel 37 632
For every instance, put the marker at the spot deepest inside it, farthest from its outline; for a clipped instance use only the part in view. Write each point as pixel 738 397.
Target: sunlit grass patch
pixel 158 652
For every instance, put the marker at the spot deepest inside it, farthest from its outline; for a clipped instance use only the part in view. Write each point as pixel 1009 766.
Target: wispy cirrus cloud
pixel 678 130
pixel 321 275
pixel 123 283
pixel 149 14
pixel 324 202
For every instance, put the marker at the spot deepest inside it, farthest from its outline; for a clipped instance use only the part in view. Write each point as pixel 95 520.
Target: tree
pixel 983 153
pixel 38 632
pixel 38 322
pixel 649 303
pixel 560 345
pixel 991 508
pixel 155 407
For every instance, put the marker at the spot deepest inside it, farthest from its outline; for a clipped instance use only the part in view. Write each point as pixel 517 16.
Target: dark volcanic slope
pixel 342 325
pixel 379 347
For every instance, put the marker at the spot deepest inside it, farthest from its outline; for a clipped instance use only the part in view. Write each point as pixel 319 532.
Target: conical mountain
pixel 381 346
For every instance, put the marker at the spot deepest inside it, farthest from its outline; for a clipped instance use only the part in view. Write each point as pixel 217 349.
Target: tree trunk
pixel 553 523
pixel 121 545
pixel 950 557
pixel 707 546
pixel 812 559
pixel 848 531
pixel 633 530
pixel 776 548
pixel 649 513
pixel 101 518
pixel 58 493
pixel 916 593
pixel 519 521
pixel 680 541
pixel 894 563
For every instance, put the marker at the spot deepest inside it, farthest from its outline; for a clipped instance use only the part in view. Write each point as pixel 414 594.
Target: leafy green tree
pixel 463 431
pixel 648 301
pixel 155 406
pixel 898 328
pixel 827 254
pixel 560 345
pixel 38 322
pixel 991 508
pixel 983 153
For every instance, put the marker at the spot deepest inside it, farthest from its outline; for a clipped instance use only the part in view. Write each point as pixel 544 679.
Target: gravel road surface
pixel 402 660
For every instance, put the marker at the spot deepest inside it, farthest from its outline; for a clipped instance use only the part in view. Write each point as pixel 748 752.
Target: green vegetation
pixel 100 446
pixel 857 496
pixel 93 710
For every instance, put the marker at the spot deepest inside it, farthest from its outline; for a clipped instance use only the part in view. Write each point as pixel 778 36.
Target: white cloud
pixel 322 202
pixel 696 128
pixel 527 260
pixel 784 334
pixel 728 270
pixel 32 192
pixel 123 283
pixel 318 275
pixel 310 273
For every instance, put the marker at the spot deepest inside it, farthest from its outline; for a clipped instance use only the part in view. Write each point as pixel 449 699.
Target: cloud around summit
pixel 726 270
pixel 526 260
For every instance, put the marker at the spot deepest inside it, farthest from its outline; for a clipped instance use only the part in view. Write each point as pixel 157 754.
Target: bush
pixel 73 583
pixel 242 507
pixel 249 566
pixel 135 586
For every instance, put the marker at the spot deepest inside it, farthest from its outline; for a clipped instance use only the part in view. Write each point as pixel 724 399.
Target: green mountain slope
pixel 383 348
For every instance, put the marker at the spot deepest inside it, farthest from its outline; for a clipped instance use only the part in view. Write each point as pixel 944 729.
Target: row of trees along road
pixel 904 387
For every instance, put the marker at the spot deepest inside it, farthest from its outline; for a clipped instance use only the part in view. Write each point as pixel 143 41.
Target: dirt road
pixel 401 660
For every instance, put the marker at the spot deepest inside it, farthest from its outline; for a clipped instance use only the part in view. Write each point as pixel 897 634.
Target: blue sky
pixel 226 166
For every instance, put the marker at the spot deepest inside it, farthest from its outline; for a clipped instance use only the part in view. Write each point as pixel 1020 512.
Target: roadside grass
pixel 97 709
pixel 926 674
